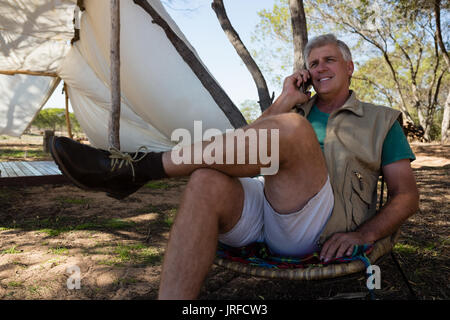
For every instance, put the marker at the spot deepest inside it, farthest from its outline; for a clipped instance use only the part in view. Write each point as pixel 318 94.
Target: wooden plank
pixel 9 170
pixel 3 171
pixel 25 170
pixel 33 180
pixel 32 169
pixel 52 167
pixel 6 169
pixel 17 169
pixel 41 168
pixel 12 166
pixel 35 173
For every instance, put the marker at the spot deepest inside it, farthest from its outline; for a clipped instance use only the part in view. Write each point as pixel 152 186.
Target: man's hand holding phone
pixel 294 93
pixel 295 88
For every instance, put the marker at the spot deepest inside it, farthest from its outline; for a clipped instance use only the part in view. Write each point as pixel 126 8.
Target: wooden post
pixel 69 127
pixel 47 135
pixel 29 73
pixel 114 121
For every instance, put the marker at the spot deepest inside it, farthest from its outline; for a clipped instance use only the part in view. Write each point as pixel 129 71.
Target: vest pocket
pixel 360 197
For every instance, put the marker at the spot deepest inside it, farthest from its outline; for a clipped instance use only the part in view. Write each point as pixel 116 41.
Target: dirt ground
pixel 118 246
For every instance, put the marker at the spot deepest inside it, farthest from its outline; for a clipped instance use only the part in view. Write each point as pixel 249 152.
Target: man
pixel 320 198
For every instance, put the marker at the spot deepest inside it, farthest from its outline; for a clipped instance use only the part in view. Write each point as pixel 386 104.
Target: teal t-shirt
pixel 395 145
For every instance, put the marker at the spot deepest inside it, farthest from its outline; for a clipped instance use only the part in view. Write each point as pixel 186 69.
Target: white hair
pixel 323 40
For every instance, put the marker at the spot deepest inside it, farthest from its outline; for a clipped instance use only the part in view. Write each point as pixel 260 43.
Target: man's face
pixel 329 71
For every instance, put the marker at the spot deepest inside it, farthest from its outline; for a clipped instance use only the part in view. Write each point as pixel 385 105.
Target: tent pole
pixel 114 121
pixel 224 102
pixel 30 73
pixel 69 128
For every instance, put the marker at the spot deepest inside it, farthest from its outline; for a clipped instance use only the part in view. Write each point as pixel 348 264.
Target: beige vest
pixel 352 148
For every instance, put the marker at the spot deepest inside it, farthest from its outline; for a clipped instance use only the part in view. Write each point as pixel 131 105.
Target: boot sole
pixel 62 168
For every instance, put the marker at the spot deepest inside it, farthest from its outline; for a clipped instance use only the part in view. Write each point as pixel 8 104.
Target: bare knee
pixel 211 182
pixel 219 194
pixel 294 127
pixel 297 138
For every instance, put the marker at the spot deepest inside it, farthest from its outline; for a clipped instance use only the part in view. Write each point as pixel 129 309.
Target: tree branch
pixel 435 71
pixel 373 83
pixel 437 13
pixel 263 92
pixel 220 97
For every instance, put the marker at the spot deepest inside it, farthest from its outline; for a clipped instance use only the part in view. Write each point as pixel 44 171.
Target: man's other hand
pixel 341 244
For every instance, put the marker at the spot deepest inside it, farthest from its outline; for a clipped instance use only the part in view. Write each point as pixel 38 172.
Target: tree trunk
pixel 299 31
pixel 263 92
pixel 445 128
pixel 220 97
pixel 445 125
pixel 437 12
pixel 114 121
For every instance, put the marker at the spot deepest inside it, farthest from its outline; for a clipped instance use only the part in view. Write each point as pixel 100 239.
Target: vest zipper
pixel 359 176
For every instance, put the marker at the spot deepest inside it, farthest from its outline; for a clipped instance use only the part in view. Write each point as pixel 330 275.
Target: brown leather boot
pixel 116 173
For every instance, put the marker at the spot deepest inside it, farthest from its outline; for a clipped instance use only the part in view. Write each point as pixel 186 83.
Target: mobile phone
pixel 305 86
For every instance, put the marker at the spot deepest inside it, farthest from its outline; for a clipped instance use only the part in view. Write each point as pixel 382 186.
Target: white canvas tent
pixel 160 92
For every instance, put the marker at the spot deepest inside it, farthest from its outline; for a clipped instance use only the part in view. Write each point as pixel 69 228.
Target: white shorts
pixel 293 234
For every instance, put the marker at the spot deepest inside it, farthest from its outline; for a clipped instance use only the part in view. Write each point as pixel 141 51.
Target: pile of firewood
pixel 413 132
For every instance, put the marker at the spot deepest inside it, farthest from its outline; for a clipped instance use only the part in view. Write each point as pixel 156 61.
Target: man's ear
pixel 350 68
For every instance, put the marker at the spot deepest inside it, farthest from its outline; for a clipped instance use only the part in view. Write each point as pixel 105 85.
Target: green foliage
pixel 251 110
pixel 10 154
pixel 157 185
pixel 133 253
pixel 272 38
pixel 15 284
pixel 12 250
pixel 405 37
pixel 59 250
pixel 55 118
pixel 372 82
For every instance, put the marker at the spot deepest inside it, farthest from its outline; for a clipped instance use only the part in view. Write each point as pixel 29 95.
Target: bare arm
pixel 403 202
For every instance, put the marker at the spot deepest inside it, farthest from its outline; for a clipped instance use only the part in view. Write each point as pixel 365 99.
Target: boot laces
pixel 119 158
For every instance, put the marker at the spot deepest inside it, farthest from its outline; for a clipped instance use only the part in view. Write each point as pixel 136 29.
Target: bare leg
pixel 193 238
pixel 234 169
pixel 213 201
pixel 302 169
